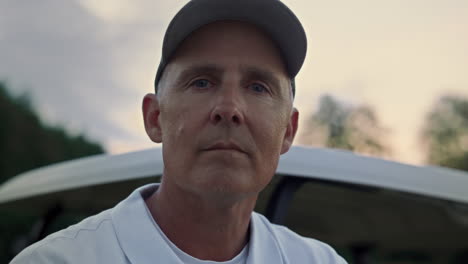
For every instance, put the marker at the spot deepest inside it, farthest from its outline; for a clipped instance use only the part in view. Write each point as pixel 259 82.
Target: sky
pixel 87 64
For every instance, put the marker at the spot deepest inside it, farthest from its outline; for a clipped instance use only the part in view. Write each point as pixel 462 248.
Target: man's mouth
pixel 225 146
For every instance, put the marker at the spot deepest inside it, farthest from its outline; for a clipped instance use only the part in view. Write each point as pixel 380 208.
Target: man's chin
pixel 227 182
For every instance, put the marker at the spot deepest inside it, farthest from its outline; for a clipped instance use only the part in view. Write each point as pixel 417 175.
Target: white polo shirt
pixel 127 234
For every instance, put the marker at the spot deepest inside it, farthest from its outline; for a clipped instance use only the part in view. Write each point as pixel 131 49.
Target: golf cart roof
pixel 320 164
pixel 335 196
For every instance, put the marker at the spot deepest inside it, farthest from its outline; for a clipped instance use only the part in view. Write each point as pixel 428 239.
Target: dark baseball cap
pixel 272 16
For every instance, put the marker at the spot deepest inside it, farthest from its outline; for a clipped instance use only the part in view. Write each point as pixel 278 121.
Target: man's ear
pixel 291 130
pixel 151 111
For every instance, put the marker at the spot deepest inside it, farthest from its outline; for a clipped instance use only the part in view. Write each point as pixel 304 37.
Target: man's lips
pixel 225 146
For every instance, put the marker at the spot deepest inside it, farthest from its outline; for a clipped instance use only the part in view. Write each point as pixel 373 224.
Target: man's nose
pixel 228 107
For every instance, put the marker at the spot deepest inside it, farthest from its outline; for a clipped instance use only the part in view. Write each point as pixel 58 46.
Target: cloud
pixel 73 64
pixel 131 11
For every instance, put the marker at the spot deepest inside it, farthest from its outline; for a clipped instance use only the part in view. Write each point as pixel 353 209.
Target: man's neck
pixel 205 228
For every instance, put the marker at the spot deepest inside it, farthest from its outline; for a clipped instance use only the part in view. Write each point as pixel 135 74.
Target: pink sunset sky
pixel 88 63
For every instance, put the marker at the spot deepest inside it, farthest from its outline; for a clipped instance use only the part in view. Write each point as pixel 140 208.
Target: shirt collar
pixel 136 233
pixel 142 243
pixel 264 247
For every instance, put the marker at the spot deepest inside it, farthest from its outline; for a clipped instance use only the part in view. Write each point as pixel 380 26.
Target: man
pixel 223 111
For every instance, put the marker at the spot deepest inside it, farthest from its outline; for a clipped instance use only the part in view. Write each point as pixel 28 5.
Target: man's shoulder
pixel 295 246
pixel 73 243
pixel 96 239
pixel 87 227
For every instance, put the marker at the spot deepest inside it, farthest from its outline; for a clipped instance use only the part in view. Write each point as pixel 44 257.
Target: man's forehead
pixel 254 71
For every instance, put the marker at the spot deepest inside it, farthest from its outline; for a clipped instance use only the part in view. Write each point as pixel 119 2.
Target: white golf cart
pixel 368 208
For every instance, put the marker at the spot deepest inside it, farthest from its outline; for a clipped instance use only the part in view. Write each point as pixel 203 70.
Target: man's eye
pixel 201 83
pixel 258 88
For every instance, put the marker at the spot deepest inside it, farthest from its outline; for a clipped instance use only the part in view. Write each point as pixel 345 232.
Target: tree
pixel 445 133
pixel 27 143
pixel 338 125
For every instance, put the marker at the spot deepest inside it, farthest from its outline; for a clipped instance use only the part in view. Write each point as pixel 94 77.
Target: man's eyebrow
pixel 193 70
pixel 261 74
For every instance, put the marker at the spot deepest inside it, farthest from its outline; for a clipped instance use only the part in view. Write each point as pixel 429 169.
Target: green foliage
pixel 26 143
pixel 445 134
pixel 354 128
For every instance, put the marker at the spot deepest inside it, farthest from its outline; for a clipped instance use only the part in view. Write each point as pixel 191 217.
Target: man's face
pixel 223 112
